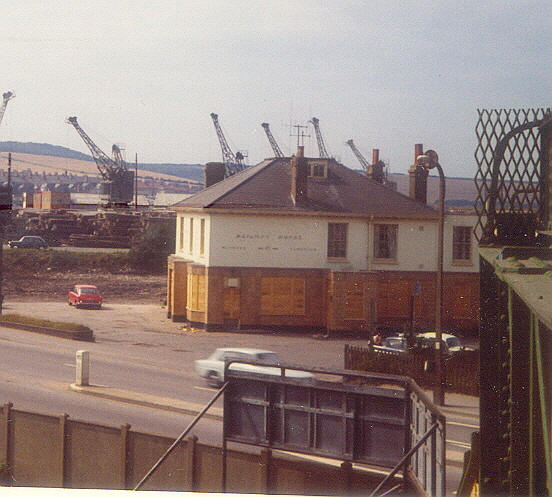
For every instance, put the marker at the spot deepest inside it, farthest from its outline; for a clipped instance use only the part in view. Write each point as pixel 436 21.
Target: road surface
pixel 138 349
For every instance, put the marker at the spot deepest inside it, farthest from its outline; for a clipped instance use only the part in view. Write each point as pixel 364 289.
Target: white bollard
pixel 83 367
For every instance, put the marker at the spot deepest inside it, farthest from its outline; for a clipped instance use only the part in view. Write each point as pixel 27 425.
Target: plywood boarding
pixel 354 300
pixel 196 292
pixel 283 296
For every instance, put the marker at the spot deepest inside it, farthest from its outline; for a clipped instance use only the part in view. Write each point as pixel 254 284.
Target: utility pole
pixel 5 209
pixel 136 182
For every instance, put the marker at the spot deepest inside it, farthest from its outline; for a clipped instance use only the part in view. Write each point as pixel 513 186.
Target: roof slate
pixel 268 186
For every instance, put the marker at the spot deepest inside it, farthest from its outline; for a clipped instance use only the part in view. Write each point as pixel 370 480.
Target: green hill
pixel 188 171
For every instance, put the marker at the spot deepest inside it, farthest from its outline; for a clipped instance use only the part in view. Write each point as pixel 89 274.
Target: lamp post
pixel 430 160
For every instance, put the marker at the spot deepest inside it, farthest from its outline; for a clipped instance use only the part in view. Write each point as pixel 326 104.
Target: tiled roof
pixel 268 185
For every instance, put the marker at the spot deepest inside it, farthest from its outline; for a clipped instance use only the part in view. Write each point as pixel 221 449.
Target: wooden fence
pixel 56 451
pixel 461 370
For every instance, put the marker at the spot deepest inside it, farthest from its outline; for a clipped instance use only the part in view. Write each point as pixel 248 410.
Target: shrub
pixel 151 252
pixel 58 325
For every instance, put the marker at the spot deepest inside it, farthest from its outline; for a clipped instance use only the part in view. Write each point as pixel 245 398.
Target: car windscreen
pixel 269 357
pixel 453 342
pixel 395 343
pixel 89 291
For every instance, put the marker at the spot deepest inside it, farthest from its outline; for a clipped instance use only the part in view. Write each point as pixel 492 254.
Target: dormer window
pixel 318 170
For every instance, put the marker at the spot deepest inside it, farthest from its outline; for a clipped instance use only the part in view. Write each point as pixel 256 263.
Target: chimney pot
pixel 375 155
pixel 418 177
pixel 418 150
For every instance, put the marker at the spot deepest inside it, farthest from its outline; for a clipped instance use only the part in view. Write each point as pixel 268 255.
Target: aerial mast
pixel 322 152
pixel 272 141
pixel 232 163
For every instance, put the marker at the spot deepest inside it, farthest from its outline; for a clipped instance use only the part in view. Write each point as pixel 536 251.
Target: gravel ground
pixel 144 289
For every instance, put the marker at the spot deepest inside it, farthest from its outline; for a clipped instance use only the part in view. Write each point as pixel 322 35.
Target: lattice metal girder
pixel 510 176
pixel 516 376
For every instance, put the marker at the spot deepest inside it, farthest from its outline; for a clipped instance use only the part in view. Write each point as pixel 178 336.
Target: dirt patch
pixel 118 288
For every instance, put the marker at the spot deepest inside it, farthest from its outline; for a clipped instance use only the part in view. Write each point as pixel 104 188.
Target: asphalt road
pixel 137 348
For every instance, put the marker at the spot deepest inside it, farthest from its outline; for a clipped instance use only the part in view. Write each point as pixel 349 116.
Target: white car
pixel 452 343
pixel 212 369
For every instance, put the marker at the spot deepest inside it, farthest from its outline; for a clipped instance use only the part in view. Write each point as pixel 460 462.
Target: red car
pixel 85 296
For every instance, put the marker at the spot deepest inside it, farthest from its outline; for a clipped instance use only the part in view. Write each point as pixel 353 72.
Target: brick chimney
pixel 214 172
pixel 375 170
pixel 299 173
pixel 418 177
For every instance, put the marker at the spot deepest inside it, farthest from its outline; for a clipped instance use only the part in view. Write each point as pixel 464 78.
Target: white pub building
pixel 309 244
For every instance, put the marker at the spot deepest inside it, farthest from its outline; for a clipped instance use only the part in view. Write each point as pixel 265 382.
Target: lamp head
pixel 428 160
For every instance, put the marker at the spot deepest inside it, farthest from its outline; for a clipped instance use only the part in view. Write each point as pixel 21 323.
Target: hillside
pixel 49 159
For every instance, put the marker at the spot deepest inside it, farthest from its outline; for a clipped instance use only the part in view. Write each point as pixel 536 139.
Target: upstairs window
pixel 202 237
pixel 461 243
pixel 318 170
pixel 181 222
pixel 337 240
pixel 191 238
pixel 385 241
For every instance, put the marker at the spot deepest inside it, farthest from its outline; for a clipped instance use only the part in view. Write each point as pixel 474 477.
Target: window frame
pixel 336 249
pixel 462 245
pixel 191 239
pixel 378 248
pixel 202 236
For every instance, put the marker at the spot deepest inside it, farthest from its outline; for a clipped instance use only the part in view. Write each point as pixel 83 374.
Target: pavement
pixel 458 409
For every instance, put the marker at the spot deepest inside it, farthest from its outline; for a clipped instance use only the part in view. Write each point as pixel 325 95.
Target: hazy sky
pixel 389 74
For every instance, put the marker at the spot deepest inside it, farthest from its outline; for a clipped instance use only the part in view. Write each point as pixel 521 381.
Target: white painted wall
pixel 301 242
pixel 281 241
pixel 182 248
pixel 416 247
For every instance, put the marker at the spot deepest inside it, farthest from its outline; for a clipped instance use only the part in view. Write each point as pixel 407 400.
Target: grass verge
pixel 43 323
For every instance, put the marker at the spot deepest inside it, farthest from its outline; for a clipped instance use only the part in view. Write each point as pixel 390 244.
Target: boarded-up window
pixel 394 299
pixel 354 300
pixel 465 301
pixel 283 296
pixel 196 292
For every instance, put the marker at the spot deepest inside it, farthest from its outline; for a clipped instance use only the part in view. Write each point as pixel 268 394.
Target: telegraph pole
pixel 5 210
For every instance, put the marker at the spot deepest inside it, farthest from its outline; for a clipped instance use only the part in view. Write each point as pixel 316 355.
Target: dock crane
pixel 232 163
pixel 363 162
pixel 273 143
pixel 117 187
pixel 321 147
pixel 6 97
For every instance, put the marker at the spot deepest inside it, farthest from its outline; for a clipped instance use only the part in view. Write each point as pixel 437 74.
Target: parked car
pixel 392 344
pixel 451 343
pixel 85 296
pixel 212 368
pixel 28 242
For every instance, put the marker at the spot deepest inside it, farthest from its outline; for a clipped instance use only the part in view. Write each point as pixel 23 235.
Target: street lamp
pixel 428 161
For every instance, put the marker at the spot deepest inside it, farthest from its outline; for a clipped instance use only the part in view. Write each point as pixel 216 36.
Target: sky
pixel 387 74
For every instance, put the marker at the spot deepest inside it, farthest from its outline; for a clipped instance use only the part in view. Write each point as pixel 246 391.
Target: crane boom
pixel 232 163
pixel 365 164
pixel 6 97
pixel 321 147
pixel 273 143
pixel 105 164
pixel 117 187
